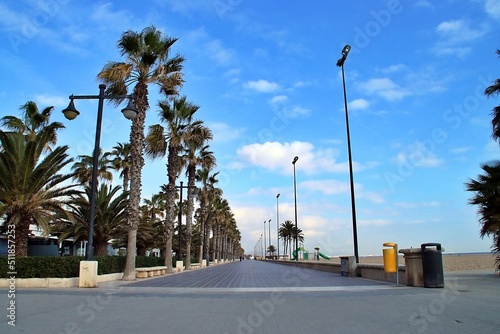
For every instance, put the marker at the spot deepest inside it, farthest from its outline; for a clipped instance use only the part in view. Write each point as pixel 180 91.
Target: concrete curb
pixel 53 282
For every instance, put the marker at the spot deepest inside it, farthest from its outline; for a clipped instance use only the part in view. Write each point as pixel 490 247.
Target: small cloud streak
pixel 262 86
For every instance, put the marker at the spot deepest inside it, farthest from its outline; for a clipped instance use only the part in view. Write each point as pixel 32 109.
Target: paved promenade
pixel 259 297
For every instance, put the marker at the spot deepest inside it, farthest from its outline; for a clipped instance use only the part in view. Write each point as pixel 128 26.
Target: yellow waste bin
pixel 390 257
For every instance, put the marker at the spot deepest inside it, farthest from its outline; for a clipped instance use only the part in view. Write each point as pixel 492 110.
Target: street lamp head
pixel 70 112
pixel 130 112
pixel 295 160
pixel 269 220
pixel 345 50
pixel 277 195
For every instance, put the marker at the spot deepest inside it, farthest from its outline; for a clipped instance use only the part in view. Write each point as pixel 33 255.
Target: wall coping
pixel 54 282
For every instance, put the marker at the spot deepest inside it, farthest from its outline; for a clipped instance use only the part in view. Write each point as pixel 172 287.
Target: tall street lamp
pixel 340 63
pixel 295 199
pixel 71 113
pixel 269 225
pixel 261 244
pixel 265 248
pixel 278 225
pixel 179 254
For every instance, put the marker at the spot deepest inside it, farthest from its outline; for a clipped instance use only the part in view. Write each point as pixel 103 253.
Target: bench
pixel 150 271
pixel 195 265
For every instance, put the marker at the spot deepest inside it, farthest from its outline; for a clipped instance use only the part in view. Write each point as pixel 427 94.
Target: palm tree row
pixel 289 233
pixel 35 191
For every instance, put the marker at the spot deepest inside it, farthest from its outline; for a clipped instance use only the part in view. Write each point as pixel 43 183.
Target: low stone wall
pixel 54 282
pixel 370 271
pixel 376 272
pixel 319 265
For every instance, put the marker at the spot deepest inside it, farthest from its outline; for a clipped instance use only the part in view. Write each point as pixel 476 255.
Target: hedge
pixel 69 266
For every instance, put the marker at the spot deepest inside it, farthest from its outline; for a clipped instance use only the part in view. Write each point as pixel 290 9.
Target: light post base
pixel 88 274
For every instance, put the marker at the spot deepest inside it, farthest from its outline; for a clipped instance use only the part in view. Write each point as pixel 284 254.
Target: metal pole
pixel 351 177
pixel 265 248
pixel 269 223
pixel 90 245
pixel 278 225
pixel 295 199
pixel 179 255
pixel 262 249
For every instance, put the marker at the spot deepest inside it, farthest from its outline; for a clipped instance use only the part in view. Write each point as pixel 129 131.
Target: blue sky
pixel 265 76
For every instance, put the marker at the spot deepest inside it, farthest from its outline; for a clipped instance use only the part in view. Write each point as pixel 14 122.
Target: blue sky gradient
pixel 265 76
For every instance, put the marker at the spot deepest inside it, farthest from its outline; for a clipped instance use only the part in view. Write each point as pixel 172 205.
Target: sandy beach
pixel 451 262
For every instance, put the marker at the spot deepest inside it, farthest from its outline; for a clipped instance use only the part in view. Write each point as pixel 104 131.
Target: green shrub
pixel 69 266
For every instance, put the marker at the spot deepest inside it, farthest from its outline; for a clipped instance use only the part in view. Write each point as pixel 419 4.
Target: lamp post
pixel 261 244
pixel 179 254
pixel 295 199
pixel 269 225
pixel 265 248
pixel 71 113
pixel 278 225
pixel 340 63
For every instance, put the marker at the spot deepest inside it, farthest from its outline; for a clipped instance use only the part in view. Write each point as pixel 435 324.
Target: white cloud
pixel 418 155
pixel 103 14
pixel 359 104
pixel 278 99
pixel 277 157
pixel 223 132
pixel 218 53
pixel 297 111
pixel 455 34
pixel 392 69
pixel 326 187
pixel 263 86
pixel 44 101
pixel 385 88
pixel 492 7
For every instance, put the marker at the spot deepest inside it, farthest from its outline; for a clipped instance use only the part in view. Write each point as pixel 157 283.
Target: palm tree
pixel 161 141
pixel 196 154
pixel 147 61
pixel 121 162
pixel 82 169
pixel 110 217
pixel 32 188
pixel 207 196
pixel 286 232
pixel 487 197
pixel 494 90
pixel 33 122
pixel 271 249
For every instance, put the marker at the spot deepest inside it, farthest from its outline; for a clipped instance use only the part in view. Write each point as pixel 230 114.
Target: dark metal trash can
pixel 432 265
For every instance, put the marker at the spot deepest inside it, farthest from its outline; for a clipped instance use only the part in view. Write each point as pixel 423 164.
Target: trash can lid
pixel 390 244
pixel 431 244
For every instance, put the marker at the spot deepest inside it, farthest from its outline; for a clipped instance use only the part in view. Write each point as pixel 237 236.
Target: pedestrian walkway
pixel 253 274
pixel 255 297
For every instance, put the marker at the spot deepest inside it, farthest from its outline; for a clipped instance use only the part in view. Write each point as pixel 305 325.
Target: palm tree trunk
pixel 137 162
pixel 189 217
pixel 21 238
pixel 101 248
pixel 168 250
